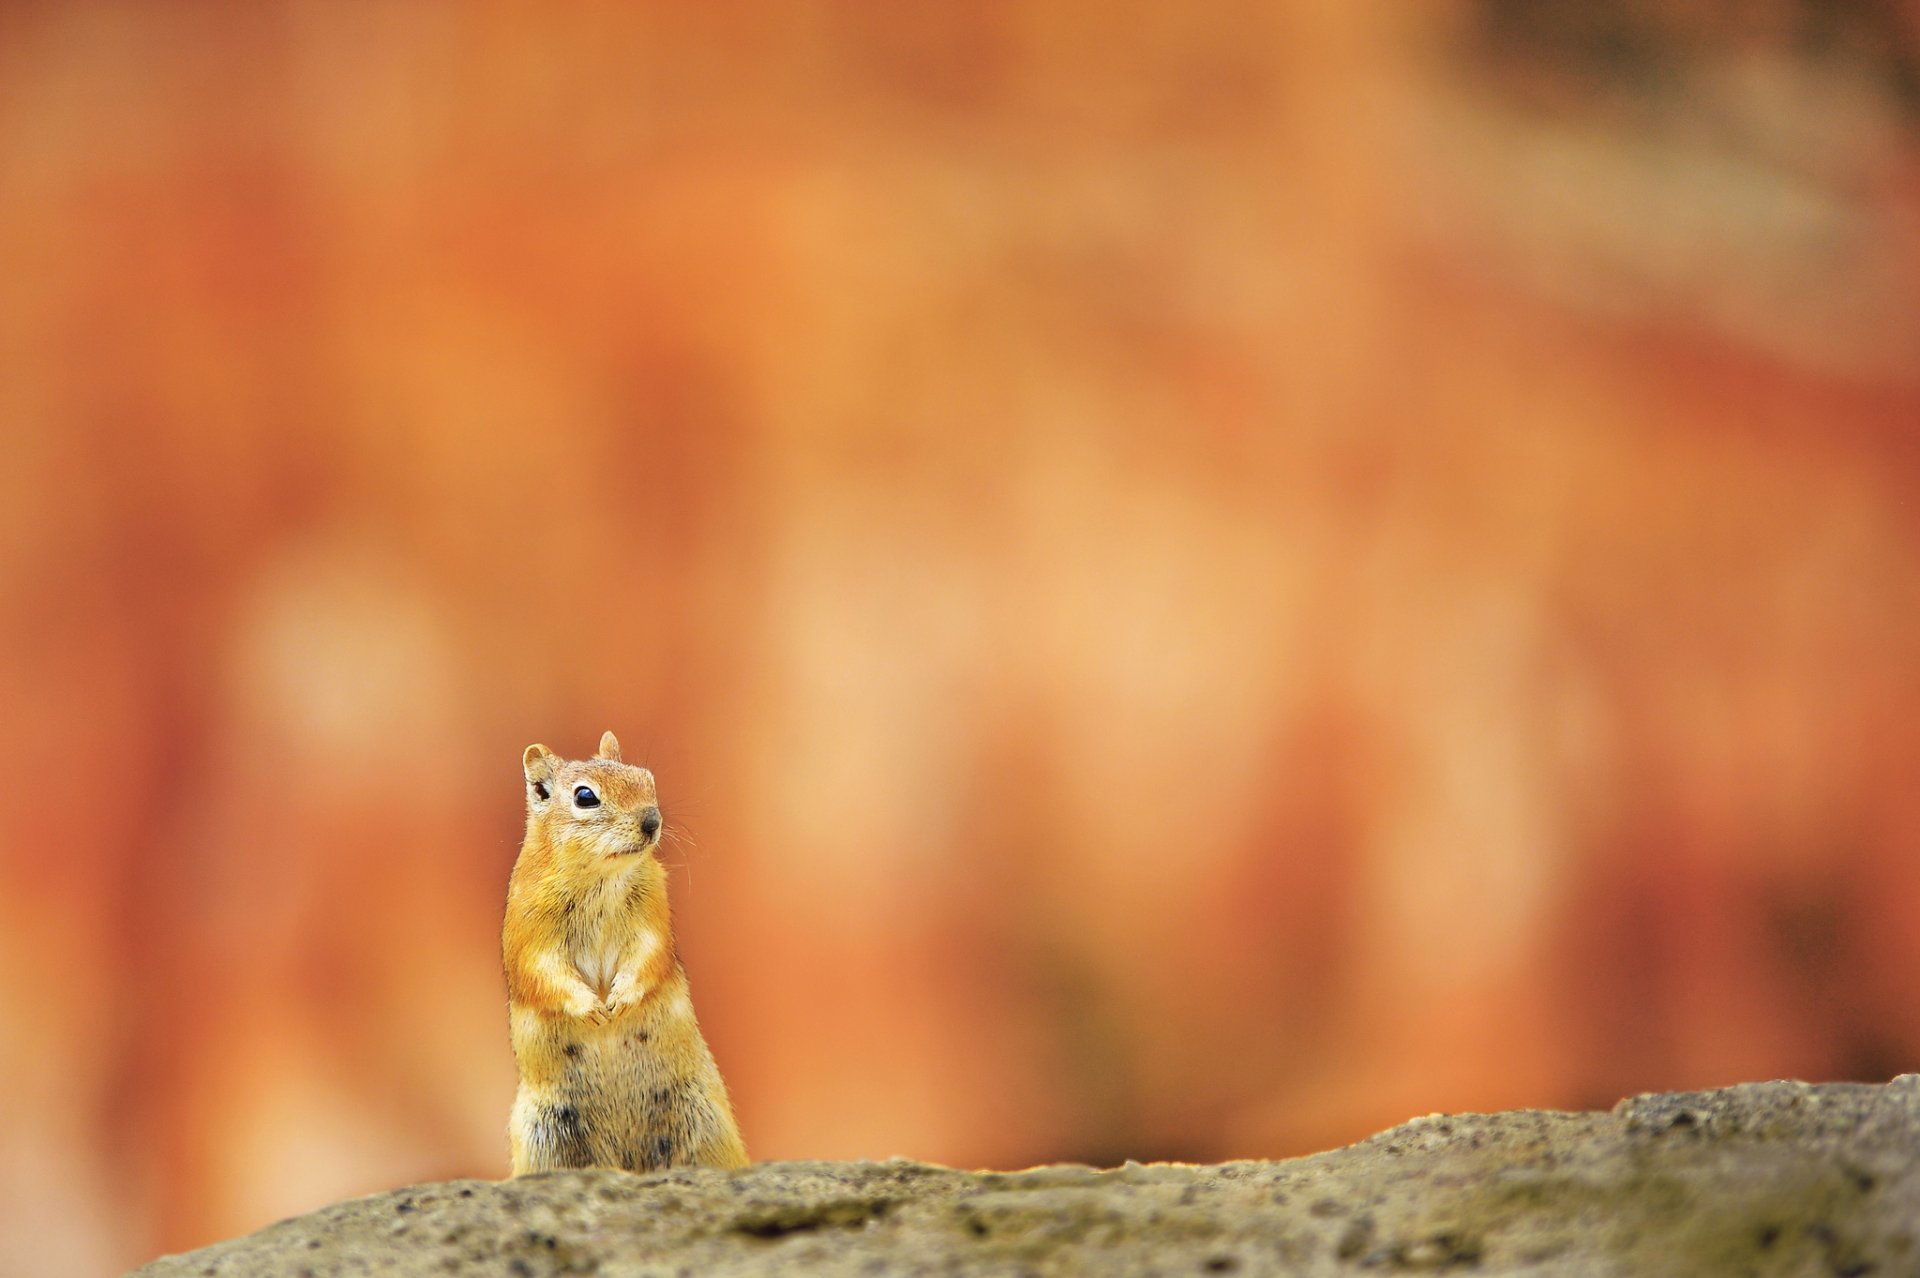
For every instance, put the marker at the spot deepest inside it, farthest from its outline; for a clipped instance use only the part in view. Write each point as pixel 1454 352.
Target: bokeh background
pixel 1198 580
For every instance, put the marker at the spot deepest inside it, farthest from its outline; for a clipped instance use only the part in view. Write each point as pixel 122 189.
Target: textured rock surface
pixel 1767 1178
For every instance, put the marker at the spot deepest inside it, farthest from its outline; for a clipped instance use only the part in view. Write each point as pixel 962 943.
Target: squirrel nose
pixel 650 822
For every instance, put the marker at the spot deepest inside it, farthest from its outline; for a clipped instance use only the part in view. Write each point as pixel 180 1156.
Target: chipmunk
pixel 613 1070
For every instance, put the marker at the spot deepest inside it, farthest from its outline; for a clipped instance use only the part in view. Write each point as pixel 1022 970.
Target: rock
pixel 1765 1179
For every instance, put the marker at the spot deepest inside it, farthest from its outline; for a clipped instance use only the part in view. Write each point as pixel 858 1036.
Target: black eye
pixel 540 789
pixel 584 797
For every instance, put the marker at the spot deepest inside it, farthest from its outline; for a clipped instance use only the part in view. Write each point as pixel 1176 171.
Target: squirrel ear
pixel 609 747
pixel 539 764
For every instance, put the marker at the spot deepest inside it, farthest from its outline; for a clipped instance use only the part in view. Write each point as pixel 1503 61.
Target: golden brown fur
pixel 613 1070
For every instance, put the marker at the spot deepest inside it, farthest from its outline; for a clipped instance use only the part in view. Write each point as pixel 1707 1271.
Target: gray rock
pixel 1762 1179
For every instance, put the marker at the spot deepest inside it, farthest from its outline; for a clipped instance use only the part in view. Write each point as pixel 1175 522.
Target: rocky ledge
pixel 1761 1179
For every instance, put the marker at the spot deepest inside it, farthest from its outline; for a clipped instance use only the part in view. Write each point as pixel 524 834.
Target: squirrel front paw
pixel 624 994
pixel 589 1008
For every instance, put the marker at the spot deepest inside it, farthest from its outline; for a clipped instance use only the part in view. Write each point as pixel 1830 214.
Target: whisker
pixel 682 843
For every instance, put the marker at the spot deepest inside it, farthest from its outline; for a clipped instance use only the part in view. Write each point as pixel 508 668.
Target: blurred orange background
pixel 1197 582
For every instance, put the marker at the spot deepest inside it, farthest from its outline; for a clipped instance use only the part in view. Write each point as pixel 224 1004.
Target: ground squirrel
pixel 613 1070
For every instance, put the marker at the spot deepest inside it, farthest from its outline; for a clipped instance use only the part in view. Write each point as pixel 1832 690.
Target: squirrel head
pixel 598 808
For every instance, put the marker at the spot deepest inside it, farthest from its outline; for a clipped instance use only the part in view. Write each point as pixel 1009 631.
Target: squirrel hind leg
pixel 648 1152
pixel 551 1138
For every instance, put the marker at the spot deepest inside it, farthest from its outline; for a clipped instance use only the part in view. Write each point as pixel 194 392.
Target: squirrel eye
pixel 583 796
